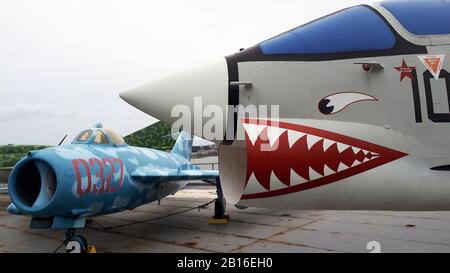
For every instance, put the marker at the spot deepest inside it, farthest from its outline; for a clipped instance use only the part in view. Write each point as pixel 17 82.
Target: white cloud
pixel 22 111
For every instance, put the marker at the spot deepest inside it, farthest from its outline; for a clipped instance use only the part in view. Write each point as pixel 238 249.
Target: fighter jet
pixel 363 97
pixel 97 174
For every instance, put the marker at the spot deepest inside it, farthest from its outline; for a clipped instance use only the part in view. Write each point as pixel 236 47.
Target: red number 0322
pixel 104 169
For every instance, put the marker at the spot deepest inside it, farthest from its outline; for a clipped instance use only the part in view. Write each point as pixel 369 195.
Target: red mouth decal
pixel 284 158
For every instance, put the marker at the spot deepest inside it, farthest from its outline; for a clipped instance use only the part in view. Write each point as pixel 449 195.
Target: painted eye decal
pixel 335 103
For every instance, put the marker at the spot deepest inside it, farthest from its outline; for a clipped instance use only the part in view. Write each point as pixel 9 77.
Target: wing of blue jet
pixel 150 175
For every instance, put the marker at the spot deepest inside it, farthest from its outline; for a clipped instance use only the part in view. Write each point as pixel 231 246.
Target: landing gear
pixel 75 243
pixel 219 208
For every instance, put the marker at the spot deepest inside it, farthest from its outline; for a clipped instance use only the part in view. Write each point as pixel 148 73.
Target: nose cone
pixel 165 98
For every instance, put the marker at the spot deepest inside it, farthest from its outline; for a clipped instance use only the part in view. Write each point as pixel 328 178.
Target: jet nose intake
pixel 32 185
pixel 170 97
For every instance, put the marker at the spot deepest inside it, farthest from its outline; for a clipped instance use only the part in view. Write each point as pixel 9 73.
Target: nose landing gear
pixel 76 243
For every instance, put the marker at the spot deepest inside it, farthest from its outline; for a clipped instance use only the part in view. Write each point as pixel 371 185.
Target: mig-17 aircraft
pixel 97 174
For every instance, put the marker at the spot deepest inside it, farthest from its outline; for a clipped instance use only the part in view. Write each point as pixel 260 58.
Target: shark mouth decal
pixel 284 158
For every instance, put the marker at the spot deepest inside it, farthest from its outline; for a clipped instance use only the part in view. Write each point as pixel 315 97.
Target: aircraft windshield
pixel 84 136
pixel 99 136
pixel 350 30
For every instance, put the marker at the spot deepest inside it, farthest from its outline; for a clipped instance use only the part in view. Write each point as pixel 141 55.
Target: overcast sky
pixel 63 62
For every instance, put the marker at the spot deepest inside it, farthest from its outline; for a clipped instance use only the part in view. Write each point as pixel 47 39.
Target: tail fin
pixel 183 146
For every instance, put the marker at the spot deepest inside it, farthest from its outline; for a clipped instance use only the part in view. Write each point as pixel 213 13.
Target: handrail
pixel 207 163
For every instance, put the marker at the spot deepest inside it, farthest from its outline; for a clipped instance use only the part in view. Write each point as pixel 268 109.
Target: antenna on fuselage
pixel 62 140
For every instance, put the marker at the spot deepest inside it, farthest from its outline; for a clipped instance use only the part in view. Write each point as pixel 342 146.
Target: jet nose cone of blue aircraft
pixel 208 83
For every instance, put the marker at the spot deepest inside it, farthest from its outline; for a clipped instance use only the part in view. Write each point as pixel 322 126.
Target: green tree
pixel 155 136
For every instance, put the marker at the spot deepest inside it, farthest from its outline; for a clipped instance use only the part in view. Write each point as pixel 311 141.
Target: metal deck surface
pixel 250 230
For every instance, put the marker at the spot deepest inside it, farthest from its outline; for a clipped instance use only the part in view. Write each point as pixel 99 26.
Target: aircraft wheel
pixel 77 244
pixel 219 208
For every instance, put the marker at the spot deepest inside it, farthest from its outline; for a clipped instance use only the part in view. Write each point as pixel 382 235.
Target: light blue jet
pixel 98 173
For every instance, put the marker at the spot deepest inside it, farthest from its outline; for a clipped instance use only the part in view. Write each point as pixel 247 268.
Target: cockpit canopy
pixel 354 29
pixel 99 136
pixel 421 17
pixel 362 29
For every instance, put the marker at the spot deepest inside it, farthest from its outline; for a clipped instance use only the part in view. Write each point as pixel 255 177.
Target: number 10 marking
pixel 427 76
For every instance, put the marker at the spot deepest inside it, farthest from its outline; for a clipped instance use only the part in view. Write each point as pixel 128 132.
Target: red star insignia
pixel 406 71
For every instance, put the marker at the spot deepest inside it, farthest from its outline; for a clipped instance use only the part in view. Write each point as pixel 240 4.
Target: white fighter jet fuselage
pixel 364 111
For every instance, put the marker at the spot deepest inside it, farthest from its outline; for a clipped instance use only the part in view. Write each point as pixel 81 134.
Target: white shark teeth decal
pixel 253 186
pixel 313 175
pixel 355 163
pixel 273 133
pixel 253 131
pixel 327 171
pixel 342 167
pixel 342 147
pixel 355 150
pixel 275 183
pixel 311 140
pixel 303 157
pixel 293 136
pixel 296 179
pixel 327 143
